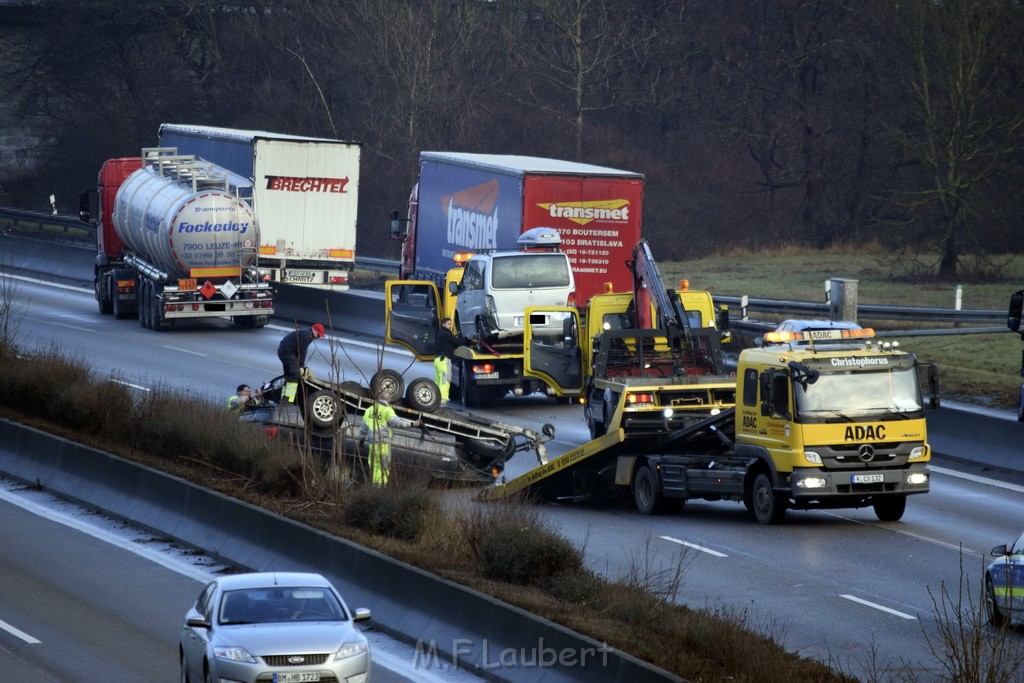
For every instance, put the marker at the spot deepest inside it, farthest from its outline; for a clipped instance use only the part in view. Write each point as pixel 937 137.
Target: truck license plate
pixel 868 478
pixel 486 375
pixel 305 677
pixel 299 276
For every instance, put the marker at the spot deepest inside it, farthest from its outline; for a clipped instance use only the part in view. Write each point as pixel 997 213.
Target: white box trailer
pixel 305 196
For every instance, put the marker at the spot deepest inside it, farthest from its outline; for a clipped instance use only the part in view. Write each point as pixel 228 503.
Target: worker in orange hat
pixel 292 352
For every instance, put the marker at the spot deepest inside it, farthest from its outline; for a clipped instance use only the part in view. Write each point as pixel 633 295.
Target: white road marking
pixel 72 327
pixel 194 353
pixel 902 615
pixel 20 634
pixel 978 480
pixel 701 548
pixel 129 384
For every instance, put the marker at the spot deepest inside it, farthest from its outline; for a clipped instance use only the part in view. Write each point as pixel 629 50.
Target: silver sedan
pixel 283 627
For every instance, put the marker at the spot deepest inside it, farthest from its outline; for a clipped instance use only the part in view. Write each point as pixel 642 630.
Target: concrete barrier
pixel 444 620
pixel 972 436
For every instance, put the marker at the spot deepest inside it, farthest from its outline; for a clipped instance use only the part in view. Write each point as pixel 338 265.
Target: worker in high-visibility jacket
pixel 378 420
pixel 244 398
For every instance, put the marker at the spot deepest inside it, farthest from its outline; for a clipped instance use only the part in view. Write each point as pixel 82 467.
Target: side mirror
pixel 83 205
pixel 1013 319
pixel 999 551
pixel 399 226
pixel 362 614
pixel 197 622
pixel 453 287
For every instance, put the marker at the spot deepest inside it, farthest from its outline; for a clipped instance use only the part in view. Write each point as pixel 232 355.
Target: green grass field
pixel 981 368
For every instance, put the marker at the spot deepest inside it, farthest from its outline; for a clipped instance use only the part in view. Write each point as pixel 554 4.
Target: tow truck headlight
pixel 918 453
pixel 812 457
pixel 917 478
pixel 811 483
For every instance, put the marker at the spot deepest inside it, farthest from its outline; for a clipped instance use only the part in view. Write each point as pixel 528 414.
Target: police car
pixel 1004 585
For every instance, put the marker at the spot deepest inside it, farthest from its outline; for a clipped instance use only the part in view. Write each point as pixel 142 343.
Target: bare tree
pixel 581 56
pixel 957 77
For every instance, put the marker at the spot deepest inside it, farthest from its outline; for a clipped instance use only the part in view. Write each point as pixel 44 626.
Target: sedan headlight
pixel 234 654
pixel 350 650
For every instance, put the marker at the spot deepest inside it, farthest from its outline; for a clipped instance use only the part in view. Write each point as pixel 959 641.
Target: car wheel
pixel 387 381
pixel 322 409
pixel 993 614
pixel 481 330
pixel 423 395
pixel 488 451
pixel 208 676
pixel 890 509
pixel 768 507
pixel 354 389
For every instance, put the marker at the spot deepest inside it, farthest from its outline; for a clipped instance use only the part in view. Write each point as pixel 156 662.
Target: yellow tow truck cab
pixel 821 417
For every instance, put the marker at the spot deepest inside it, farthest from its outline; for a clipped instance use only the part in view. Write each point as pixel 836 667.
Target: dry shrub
pixel 510 543
pixel 395 511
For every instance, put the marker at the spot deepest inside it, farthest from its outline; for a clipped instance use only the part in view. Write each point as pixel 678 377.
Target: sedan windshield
pixel 851 394
pixel 279 604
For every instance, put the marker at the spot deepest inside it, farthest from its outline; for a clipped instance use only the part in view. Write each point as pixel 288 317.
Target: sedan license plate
pixel 868 478
pixel 301 677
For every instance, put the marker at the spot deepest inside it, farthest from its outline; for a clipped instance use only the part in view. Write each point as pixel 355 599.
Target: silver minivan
pixel 497 288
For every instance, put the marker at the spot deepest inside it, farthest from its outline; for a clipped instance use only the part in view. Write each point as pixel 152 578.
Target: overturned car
pixel 452 445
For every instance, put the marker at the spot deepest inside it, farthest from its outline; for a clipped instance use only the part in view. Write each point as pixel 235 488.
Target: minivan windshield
pixel 530 270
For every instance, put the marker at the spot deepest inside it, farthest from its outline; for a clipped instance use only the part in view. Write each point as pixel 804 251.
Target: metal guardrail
pixel 42 218
pixel 809 309
pixel 805 309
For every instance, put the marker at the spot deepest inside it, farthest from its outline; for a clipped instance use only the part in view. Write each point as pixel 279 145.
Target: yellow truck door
pixel 551 348
pixel 411 315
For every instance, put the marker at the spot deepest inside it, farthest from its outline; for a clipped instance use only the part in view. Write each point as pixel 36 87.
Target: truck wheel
pixel 116 305
pixel 387 381
pixel 143 307
pixel 103 294
pixel 322 410
pixel 649 500
pixel 597 429
pixel 469 394
pixel 423 395
pixel 768 507
pixel 890 509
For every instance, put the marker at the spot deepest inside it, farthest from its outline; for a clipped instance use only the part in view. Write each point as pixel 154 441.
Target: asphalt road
pixel 834 585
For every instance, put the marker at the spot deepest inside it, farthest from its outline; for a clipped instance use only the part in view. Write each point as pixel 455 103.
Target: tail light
pixel 271 432
pixel 640 398
pixel 570 302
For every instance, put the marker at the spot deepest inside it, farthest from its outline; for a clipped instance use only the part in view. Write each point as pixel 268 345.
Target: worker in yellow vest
pixel 378 421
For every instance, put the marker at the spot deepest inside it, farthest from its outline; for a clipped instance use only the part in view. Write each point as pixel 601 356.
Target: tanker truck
pixel 176 239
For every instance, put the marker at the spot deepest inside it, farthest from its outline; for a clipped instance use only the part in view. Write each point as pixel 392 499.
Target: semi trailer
pixel 175 240
pixel 305 196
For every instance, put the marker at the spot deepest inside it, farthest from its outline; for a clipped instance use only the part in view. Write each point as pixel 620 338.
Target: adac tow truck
pixel 819 418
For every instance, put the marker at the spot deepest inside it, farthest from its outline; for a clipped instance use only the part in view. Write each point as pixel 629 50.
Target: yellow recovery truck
pixel 819 417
